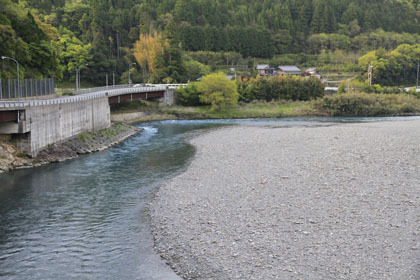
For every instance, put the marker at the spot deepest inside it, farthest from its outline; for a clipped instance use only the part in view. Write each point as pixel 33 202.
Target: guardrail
pixel 9 88
pixel 108 92
pixel 89 90
pixel 171 86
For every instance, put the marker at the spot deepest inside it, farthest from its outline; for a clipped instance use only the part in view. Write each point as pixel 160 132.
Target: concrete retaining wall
pixel 44 122
pixel 50 124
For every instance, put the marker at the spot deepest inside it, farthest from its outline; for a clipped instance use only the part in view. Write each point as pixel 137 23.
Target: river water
pixel 87 218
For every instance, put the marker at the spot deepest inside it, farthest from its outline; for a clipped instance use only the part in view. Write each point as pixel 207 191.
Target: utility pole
pixel 113 79
pixel 107 80
pixel 417 81
pixel 17 72
pixel 78 75
pixel 370 69
pixel 77 80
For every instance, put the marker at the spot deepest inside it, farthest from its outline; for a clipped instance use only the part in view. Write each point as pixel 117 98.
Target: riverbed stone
pixel 334 202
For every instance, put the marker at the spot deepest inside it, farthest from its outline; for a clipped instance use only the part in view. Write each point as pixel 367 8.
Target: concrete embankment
pixel 337 202
pixel 87 142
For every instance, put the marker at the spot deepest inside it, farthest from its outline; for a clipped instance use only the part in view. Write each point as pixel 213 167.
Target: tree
pixel 189 95
pixel 318 42
pixel 351 14
pixel 146 50
pixel 72 52
pixel 218 91
pixel 195 69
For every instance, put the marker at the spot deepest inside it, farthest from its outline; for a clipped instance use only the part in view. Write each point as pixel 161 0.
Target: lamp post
pixel 78 75
pixel 129 66
pixel 18 80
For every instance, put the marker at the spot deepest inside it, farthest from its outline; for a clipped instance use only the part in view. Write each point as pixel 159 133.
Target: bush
pixel 362 104
pixel 277 88
pixel 189 95
pixel 217 90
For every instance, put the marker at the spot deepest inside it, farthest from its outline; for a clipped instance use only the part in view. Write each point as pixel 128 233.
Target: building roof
pixel 313 69
pixel 262 66
pixel 289 68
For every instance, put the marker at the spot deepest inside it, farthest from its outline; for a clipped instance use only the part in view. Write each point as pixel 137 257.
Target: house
pixel 265 70
pixel 312 72
pixel 289 70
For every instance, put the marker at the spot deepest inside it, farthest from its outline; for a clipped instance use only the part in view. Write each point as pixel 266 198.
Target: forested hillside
pixel 52 37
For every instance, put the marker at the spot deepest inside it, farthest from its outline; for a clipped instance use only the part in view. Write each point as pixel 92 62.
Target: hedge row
pixel 363 104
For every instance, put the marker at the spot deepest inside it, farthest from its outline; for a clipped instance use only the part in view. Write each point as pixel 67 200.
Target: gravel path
pixel 338 202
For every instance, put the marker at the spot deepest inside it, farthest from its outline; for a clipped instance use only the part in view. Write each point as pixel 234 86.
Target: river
pixel 87 218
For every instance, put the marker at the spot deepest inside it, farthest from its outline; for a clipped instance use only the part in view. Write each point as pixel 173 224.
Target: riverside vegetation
pixel 273 97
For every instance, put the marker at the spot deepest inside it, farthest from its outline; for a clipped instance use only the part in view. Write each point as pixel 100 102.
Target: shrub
pixel 217 90
pixel 362 104
pixel 277 88
pixel 189 95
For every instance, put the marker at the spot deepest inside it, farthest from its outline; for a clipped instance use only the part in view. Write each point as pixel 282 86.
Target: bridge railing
pixel 88 90
pixel 171 86
pixel 9 88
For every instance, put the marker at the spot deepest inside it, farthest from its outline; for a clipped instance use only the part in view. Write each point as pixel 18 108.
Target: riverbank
pixel 84 143
pixel 141 111
pixel 351 104
pixel 336 202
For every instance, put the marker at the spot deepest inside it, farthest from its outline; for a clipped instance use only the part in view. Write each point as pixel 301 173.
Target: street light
pixel 129 66
pixel 18 80
pixel 78 75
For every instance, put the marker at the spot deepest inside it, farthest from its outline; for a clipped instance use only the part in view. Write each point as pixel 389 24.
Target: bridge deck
pixel 12 105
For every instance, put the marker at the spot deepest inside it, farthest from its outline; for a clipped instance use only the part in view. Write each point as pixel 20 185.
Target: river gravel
pixel 336 202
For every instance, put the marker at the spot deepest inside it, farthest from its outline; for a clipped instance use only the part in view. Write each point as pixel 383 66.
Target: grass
pixel 115 129
pixel 85 136
pixel 244 110
pixel 64 91
pixel 355 104
pixel 22 155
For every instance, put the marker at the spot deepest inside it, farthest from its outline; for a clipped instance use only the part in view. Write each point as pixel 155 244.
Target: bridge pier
pixel 168 97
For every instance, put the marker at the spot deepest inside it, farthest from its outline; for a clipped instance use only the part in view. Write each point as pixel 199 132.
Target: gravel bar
pixel 336 202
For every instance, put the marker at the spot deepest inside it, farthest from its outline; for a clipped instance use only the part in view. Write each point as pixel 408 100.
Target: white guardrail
pixel 88 94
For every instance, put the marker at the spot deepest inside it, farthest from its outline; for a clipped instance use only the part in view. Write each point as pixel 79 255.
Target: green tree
pixel 169 65
pixel 218 91
pixel 189 95
pixel 195 69
pixel 72 52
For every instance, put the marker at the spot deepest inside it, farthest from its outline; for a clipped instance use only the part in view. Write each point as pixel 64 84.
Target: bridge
pixel 32 125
